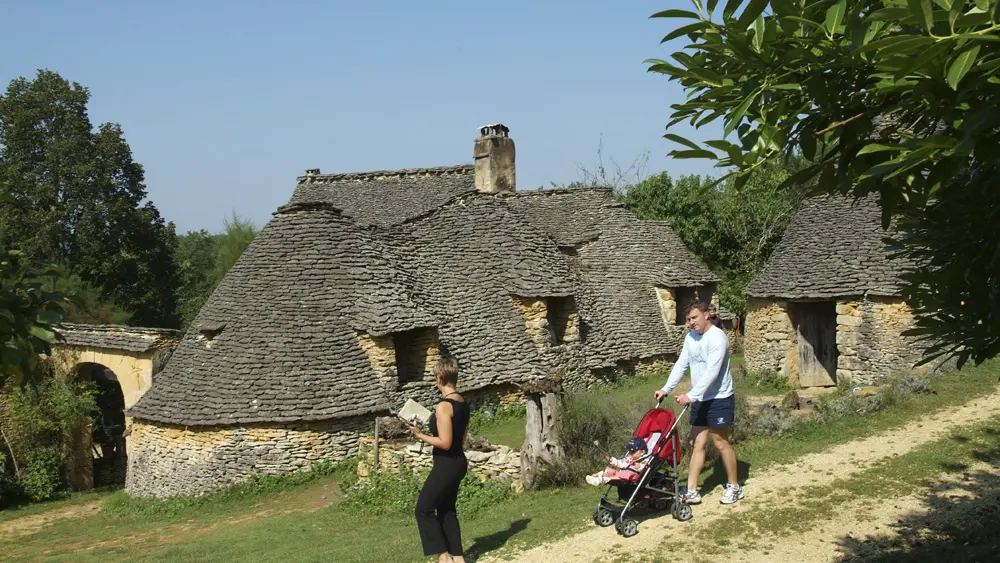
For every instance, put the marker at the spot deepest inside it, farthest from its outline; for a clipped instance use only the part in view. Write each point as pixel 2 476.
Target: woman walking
pixel 437 520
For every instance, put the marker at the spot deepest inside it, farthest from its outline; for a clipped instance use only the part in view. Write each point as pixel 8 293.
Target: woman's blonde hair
pixel 446 371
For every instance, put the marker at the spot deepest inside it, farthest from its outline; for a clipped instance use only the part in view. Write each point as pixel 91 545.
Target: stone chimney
pixel 494 156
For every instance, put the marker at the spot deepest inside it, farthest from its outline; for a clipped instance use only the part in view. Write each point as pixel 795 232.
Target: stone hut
pixel 338 309
pixel 827 306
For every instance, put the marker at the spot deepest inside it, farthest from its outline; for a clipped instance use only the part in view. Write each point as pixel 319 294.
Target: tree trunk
pixel 541 436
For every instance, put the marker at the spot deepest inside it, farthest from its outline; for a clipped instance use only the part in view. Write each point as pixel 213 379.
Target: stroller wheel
pixel 661 504
pixel 603 517
pixel 628 528
pixel 682 511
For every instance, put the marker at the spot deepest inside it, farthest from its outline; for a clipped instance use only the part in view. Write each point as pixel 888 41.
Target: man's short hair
pixel 699 305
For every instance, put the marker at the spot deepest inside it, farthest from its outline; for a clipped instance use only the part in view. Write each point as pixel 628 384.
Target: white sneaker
pixel 691 497
pixel 732 494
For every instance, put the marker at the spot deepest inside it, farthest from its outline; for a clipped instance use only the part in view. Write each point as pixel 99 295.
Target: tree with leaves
pixel 79 198
pixel 28 317
pixel 898 97
pixel 731 231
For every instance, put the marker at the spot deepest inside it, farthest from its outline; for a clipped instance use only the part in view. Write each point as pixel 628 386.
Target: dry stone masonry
pixel 829 297
pixel 173 460
pixel 341 305
pixel 498 463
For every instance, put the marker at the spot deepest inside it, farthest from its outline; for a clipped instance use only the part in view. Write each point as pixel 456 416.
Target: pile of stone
pixel 496 463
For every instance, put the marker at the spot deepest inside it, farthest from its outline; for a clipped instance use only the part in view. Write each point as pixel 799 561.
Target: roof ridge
pixel 313 175
pixel 550 191
pixel 118 328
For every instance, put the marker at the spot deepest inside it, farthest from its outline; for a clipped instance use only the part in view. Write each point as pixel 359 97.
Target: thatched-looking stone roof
pixel 833 248
pixel 386 252
pixel 617 260
pixel 277 340
pixel 387 197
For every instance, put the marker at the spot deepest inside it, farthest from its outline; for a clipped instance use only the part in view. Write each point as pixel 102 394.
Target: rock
pixel 866 391
pixel 516 486
pixel 791 402
pixel 414 448
pixel 477 457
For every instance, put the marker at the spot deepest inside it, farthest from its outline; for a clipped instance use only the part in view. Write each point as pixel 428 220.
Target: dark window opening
pixel 412 349
pixel 684 297
pixel 560 309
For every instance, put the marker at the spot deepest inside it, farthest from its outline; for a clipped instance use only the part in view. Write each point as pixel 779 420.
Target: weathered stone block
pixel 845 320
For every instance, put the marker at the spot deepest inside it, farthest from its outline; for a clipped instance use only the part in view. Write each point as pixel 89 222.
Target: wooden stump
pixel 541 440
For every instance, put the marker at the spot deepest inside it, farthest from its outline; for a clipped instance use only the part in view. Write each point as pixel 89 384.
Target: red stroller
pixel 656 486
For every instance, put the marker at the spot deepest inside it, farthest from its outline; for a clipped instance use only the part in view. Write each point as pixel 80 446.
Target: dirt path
pixel 773 488
pixel 30 524
pixel 871 529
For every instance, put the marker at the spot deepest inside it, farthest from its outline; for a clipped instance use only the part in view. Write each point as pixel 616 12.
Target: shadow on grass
pixel 492 542
pixel 958 522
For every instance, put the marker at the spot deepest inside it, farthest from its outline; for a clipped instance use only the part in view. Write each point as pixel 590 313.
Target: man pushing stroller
pixel 713 404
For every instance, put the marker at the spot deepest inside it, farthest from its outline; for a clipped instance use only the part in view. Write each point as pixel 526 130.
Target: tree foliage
pixel 732 231
pixel 28 315
pixel 899 97
pixel 78 198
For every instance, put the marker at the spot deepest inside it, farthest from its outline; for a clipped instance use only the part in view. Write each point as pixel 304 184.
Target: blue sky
pixel 225 103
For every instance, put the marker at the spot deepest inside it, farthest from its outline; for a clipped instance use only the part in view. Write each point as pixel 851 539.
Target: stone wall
pixel 166 461
pixel 668 305
pixel 563 359
pixel 381 353
pixel 870 342
pixel 870 345
pixel 500 463
pixel 769 337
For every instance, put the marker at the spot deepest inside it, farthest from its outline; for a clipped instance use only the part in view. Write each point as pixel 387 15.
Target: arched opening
pixel 107 436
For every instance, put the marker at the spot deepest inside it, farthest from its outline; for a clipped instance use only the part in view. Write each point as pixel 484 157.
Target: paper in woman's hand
pixel 414 413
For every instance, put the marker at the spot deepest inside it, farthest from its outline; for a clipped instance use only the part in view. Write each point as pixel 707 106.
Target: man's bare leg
pixel 699 437
pixel 720 439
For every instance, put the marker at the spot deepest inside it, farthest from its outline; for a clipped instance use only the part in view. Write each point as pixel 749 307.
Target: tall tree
pixel 898 97
pixel 79 198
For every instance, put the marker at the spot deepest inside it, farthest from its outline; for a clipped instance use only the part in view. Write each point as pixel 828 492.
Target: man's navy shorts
pixel 714 413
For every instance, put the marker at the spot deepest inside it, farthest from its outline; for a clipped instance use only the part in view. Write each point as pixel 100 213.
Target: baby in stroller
pixel 628 468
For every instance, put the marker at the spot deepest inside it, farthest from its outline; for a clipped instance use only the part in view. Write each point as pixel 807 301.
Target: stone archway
pixel 104 441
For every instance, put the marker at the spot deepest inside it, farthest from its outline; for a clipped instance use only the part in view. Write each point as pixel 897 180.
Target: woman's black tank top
pixel 459 422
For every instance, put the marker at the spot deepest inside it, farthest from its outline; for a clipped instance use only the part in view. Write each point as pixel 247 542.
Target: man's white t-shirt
pixel 708 357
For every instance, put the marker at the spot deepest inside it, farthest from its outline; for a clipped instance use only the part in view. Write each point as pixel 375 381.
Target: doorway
pixel 816 327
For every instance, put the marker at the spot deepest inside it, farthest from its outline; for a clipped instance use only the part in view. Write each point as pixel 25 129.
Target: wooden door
pixel 816 324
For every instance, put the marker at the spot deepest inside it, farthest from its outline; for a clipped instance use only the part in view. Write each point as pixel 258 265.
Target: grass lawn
pixel 297 525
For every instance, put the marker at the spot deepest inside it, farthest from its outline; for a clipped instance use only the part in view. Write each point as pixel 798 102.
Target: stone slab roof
pixel 117 337
pixel 282 324
pixel 617 260
pixel 387 197
pixel 467 259
pixel 832 248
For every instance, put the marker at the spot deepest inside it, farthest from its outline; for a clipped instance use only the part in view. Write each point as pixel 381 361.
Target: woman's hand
pixel 415 431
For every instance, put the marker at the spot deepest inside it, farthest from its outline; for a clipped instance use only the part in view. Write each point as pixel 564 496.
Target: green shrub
pixel 594 425
pixel 43 476
pixel 767 381
pixel 773 422
pixel 10 490
pixel 390 492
